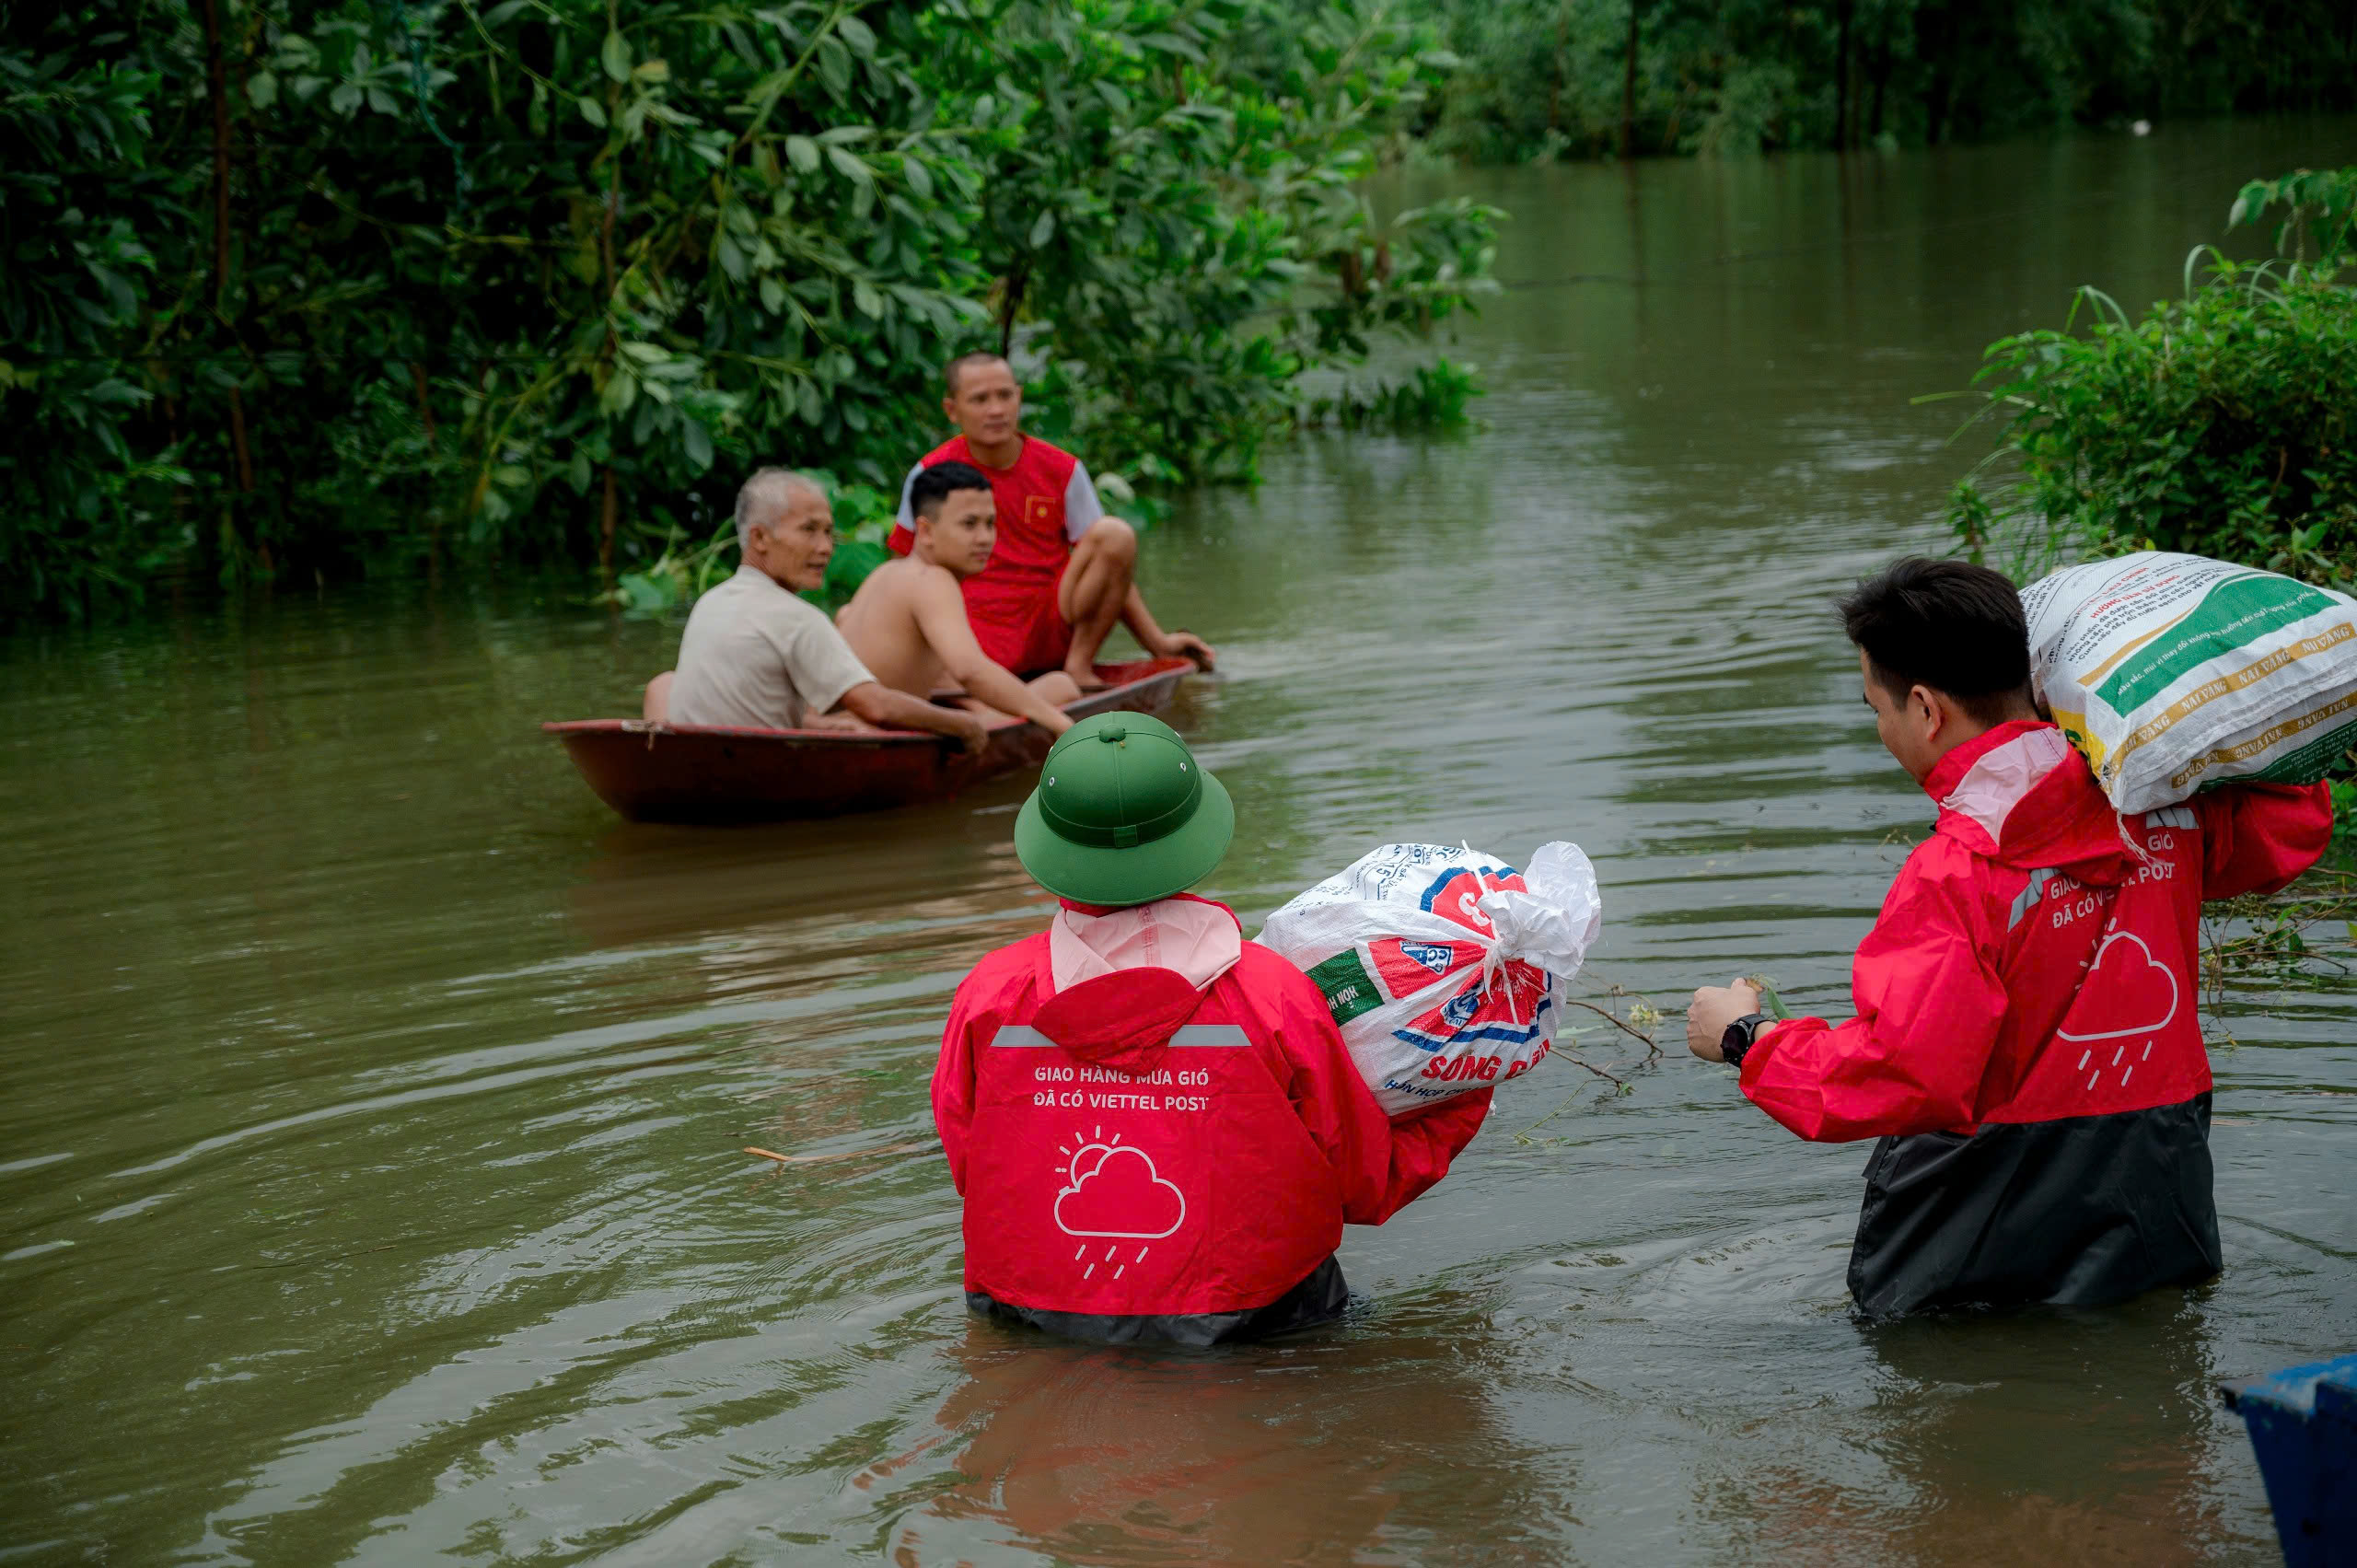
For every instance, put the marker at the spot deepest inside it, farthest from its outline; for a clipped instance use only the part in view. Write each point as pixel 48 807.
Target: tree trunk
pixel 606 219
pixel 425 403
pixel 1935 99
pixel 1882 80
pixel 609 514
pixel 1010 302
pixel 1555 77
pixel 1842 116
pixel 217 75
pixel 237 441
pixel 1629 89
pixel 609 506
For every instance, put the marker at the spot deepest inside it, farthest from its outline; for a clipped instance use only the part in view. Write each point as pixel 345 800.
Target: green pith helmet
pixel 1124 815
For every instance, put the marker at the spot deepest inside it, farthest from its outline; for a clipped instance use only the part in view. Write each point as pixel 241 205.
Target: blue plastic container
pixel 2302 1424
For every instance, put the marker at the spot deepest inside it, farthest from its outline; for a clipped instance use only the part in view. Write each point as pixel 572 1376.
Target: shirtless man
pixel 1063 575
pixel 755 653
pixel 908 622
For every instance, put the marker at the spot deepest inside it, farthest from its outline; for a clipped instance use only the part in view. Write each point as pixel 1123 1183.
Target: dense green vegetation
pixel 1547 78
pixel 2221 423
pixel 323 287
pixel 298 287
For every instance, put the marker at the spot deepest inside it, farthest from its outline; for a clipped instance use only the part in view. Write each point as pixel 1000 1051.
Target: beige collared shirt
pixel 757 655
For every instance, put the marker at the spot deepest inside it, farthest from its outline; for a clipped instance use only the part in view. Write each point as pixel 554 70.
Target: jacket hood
pixel 2021 795
pixel 1195 936
pixel 1120 983
pixel 1125 1019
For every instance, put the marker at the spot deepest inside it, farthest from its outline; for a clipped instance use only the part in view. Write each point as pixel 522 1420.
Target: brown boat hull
pixel 658 773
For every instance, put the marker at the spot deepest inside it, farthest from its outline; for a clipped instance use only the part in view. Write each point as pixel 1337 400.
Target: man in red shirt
pixel 1063 571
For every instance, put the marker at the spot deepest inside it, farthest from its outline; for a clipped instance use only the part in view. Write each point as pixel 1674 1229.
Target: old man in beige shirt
pixel 758 655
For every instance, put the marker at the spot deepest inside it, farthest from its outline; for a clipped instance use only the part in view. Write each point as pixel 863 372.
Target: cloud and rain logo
pixel 2125 983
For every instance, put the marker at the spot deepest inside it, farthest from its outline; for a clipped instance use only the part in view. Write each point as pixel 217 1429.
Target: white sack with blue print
pixel 1444 967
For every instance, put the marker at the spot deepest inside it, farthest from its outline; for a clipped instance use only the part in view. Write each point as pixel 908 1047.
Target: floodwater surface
pixel 371 1183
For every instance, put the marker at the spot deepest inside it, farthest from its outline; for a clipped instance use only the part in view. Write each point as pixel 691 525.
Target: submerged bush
pixel 2223 424
pixel 1438 396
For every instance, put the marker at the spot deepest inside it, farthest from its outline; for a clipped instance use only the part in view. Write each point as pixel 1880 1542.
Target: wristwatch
pixel 1735 1044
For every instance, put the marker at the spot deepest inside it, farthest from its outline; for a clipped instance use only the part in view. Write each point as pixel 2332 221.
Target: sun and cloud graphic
pixel 1112 1192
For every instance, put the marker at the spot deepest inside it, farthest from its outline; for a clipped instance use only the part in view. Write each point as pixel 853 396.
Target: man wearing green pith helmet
pixel 1155 1128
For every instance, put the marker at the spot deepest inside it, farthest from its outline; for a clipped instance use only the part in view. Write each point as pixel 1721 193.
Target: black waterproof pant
pixel 1317 1299
pixel 2077 1213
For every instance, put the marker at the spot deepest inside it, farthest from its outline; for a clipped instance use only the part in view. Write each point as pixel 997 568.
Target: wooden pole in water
pixel 841 1155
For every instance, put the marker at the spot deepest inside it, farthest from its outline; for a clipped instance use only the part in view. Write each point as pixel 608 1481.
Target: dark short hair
pixel 957 367
pixel 934 486
pixel 1956 628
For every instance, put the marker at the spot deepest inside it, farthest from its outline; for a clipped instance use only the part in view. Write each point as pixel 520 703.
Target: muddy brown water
pixel 369 1176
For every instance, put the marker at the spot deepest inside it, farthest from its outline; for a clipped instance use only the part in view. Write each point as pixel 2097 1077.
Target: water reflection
pixel 2084 1437
pixel 650 883
pixel 1322 1451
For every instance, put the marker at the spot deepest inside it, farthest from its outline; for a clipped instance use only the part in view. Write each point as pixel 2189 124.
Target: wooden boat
pixel 663 772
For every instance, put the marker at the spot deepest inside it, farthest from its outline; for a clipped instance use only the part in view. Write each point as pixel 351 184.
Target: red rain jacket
pixel 2026 1041
pixel 1143 1160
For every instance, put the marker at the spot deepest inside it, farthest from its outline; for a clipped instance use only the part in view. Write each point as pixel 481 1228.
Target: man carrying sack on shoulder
pixel 2025 1045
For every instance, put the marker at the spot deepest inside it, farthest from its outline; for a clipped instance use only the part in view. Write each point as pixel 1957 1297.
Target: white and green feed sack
pixel 2171 673
pixel 1444 967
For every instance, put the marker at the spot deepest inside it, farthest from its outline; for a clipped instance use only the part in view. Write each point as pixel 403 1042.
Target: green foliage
pixel 1204 248
pixel 2302 936
pixel 1550 78
pixel 1438 396
pixel 2318 205
pixel 2219 423
pixel 74 292
pixel 538 280
pixel 2344 821
pixel 863 520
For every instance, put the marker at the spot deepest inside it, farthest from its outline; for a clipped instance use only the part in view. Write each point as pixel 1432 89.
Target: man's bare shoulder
pixel 916 583
pixel 907 579
pixel 886 589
